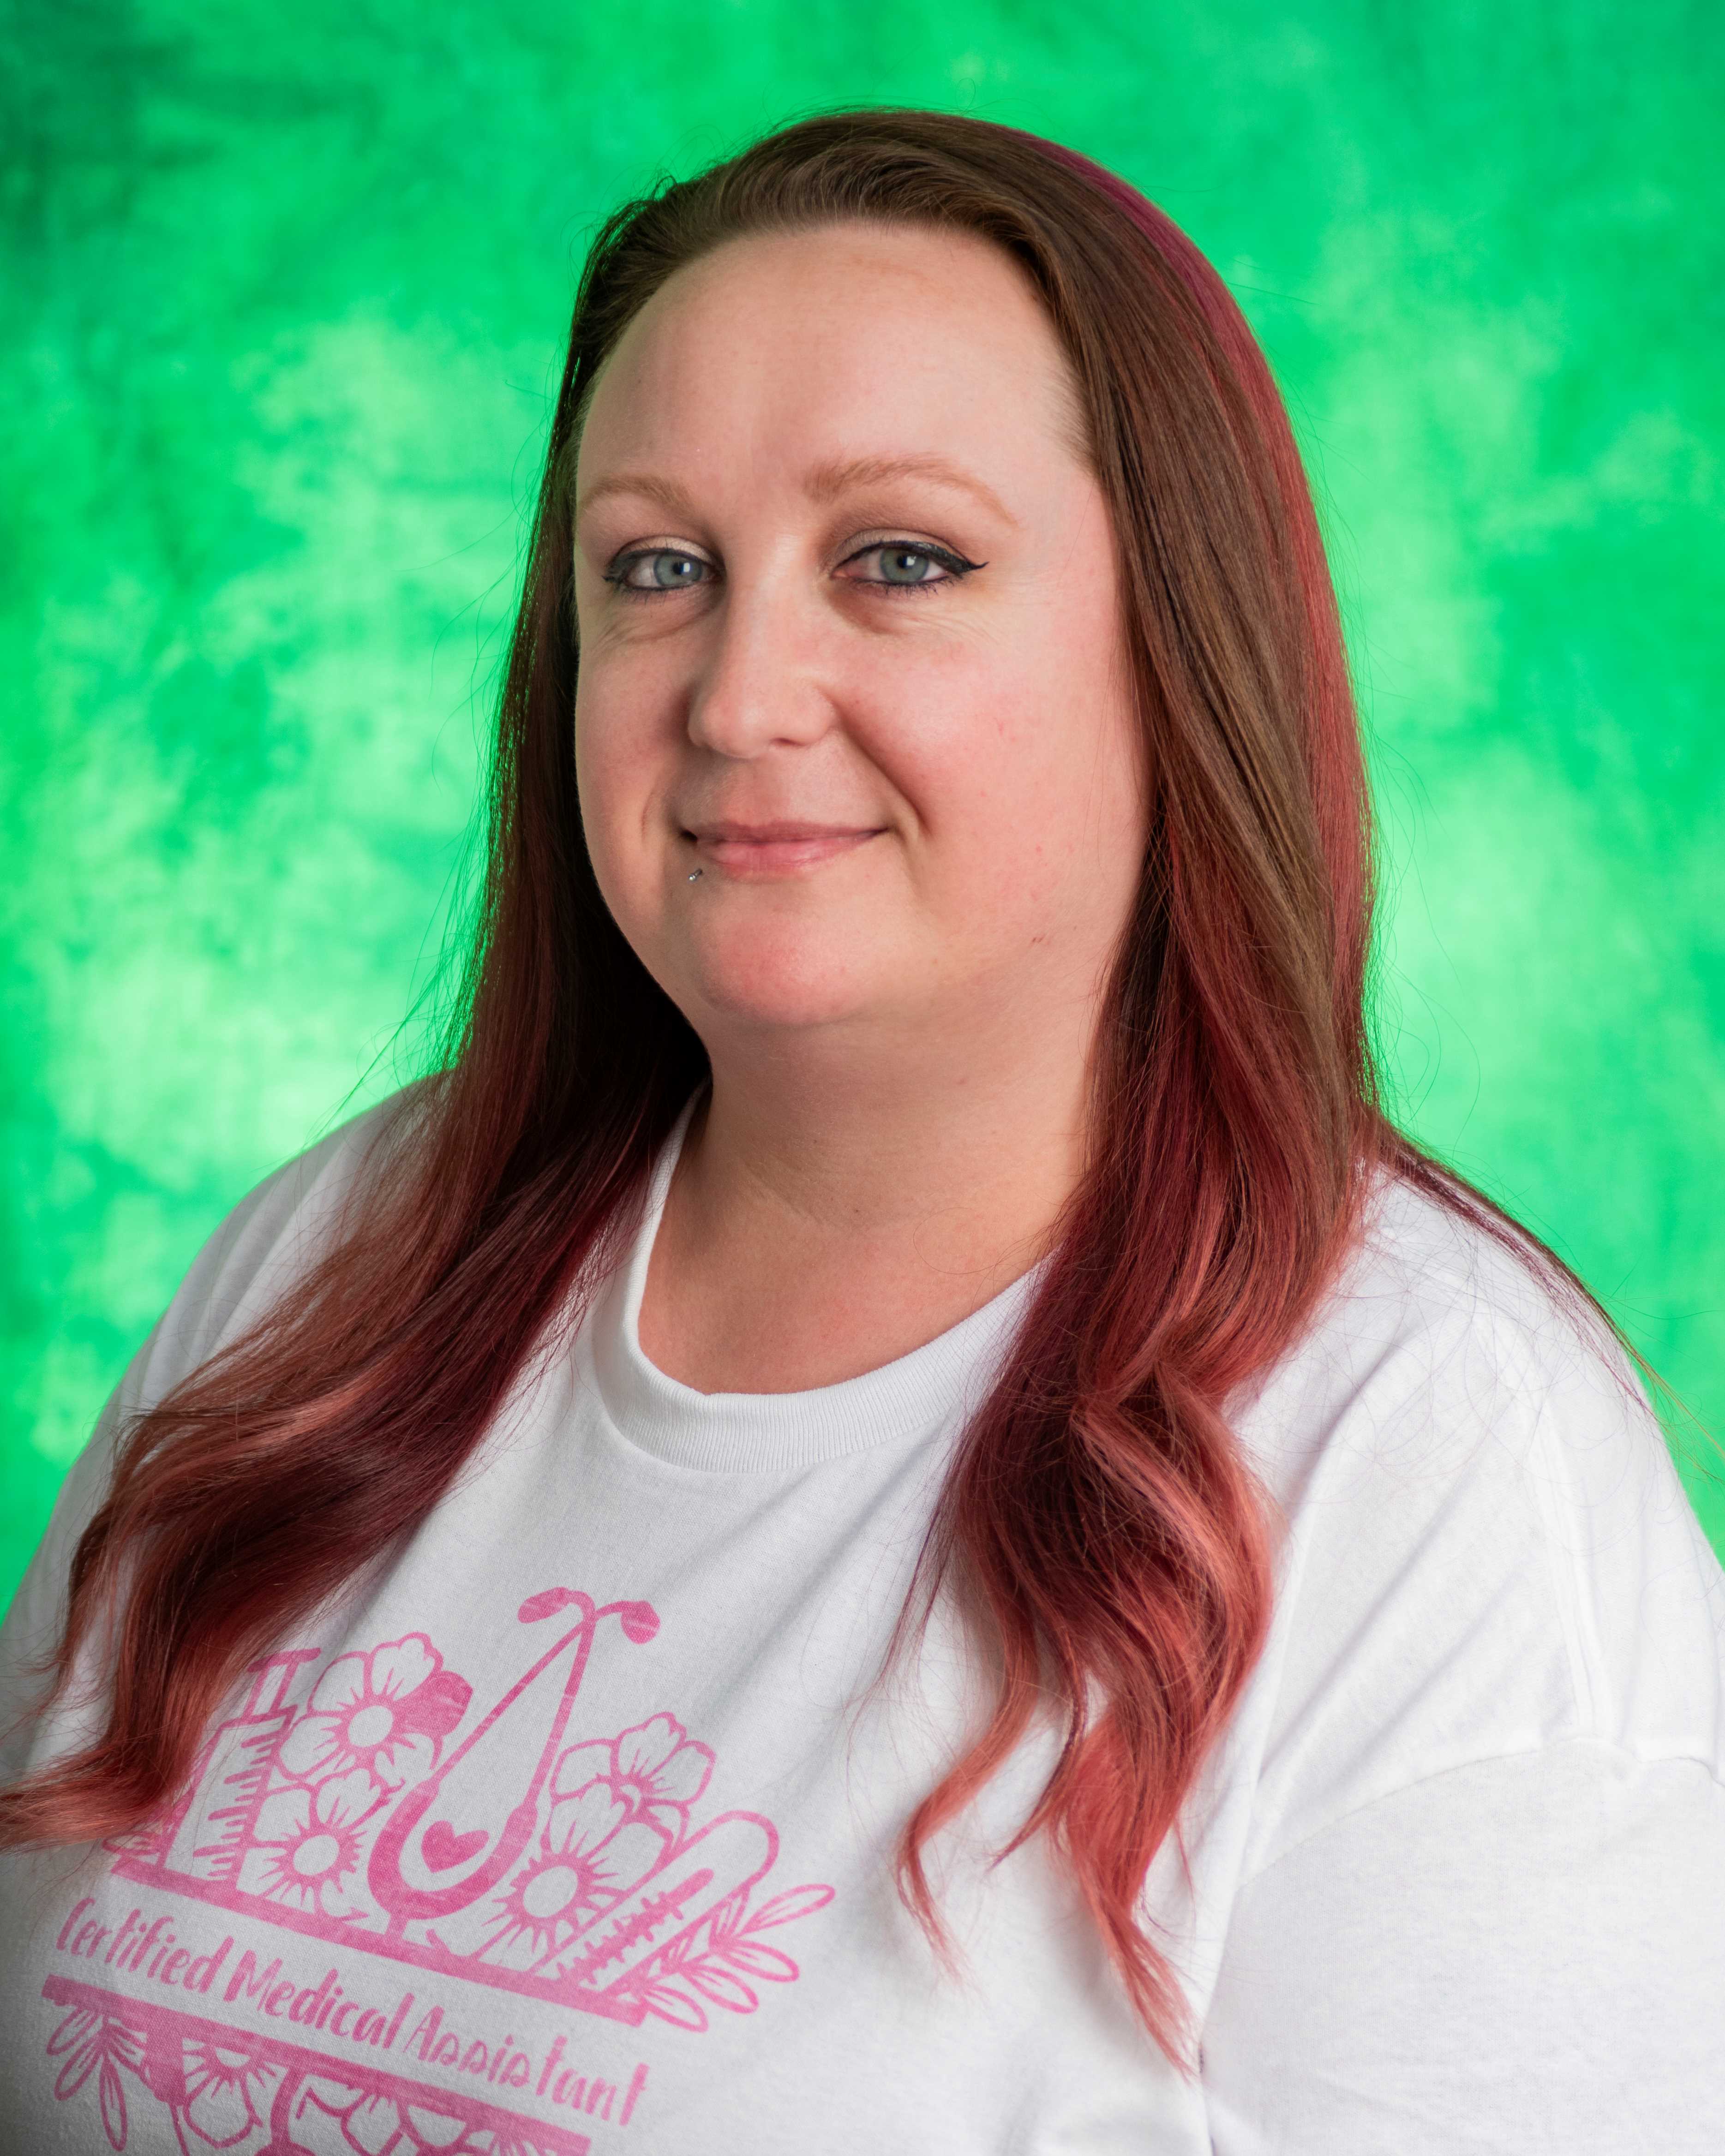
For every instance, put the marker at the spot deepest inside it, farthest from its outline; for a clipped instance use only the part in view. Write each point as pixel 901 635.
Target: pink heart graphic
pixel 443 1848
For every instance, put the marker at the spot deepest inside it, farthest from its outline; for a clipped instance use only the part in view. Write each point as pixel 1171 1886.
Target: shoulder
pixel 1487 1548
pixel 270 1237
pixel 1431 1308
pixel 273 1235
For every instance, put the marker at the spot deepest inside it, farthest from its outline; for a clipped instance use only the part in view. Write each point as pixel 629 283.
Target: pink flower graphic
pixel 655 1768
pixel 376 2125
pixel 386 1712
pixel 227 2093
pixel 386 2126
pixel 308 1846
pixel 591 1854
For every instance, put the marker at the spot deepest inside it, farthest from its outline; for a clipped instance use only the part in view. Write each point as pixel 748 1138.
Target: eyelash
pixel 955 564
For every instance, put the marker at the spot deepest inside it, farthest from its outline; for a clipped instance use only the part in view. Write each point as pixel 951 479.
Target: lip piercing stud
pixel 698 875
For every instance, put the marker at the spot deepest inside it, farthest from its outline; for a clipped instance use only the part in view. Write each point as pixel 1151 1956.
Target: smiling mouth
pixel 773 850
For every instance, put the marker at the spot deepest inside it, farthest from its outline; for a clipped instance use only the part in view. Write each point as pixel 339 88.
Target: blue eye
pixel 658 569
pixel 900 566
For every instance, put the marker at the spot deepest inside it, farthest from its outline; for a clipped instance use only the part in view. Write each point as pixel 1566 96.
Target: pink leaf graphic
pixel 728 1921
pixel 78 2069
pixel 785 1908
pixel 756 1960
pixel 113 2105
pixel 671 2005
pixel 77 2024
pixel 715 1982
pixel 677 1953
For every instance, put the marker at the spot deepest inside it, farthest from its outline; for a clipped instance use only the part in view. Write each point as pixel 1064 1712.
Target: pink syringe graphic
pixel 233 1772
pixel 669 1906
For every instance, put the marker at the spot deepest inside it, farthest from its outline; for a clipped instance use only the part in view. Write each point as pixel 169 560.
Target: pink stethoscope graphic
pixel 436 1854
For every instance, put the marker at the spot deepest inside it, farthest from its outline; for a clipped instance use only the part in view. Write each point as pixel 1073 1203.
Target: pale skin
pixel 788 460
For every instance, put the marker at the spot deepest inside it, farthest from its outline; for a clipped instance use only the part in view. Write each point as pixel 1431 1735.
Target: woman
pixel 892 1517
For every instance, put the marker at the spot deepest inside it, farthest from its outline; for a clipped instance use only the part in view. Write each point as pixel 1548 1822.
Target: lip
pixel 785 847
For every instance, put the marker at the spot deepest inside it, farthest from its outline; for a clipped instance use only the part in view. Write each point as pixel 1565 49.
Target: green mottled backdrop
pixel 283 288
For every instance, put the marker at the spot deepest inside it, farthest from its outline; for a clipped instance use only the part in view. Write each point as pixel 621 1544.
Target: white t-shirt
pixel 573 1829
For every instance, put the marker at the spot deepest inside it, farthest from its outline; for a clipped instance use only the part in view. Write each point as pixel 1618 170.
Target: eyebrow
pixel 668 495
pixel 827 482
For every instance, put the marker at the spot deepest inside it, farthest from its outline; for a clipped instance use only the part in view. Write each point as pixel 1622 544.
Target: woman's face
pixel 850 646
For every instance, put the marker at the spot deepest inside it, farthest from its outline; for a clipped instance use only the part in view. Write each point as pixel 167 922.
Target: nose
pixel 759 685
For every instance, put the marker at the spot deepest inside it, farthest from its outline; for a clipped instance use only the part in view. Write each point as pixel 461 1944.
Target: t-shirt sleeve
pixel 1526 1955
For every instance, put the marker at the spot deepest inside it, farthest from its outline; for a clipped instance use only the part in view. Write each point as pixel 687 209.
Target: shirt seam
pixel 740 1471
pixel 1486 1760
pixel 1545 1463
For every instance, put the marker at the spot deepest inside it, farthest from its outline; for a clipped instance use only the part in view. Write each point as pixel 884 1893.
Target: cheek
pixel 1086 749
pixel 616 772
pixel 1031 780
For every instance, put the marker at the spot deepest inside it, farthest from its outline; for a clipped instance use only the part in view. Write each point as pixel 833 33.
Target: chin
pixel 784 979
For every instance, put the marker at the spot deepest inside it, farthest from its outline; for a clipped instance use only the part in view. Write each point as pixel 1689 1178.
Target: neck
pixel 834 1208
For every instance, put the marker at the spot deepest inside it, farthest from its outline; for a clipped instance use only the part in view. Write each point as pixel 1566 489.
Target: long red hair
pixel 1098 1522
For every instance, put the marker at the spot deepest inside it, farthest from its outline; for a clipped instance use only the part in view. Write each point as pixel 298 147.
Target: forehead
pixel 839 340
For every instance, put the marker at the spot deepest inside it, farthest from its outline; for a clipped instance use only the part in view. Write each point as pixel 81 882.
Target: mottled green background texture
pixel 284 292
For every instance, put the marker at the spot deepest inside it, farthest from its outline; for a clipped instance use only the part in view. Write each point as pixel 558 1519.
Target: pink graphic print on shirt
pixel 391 1815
